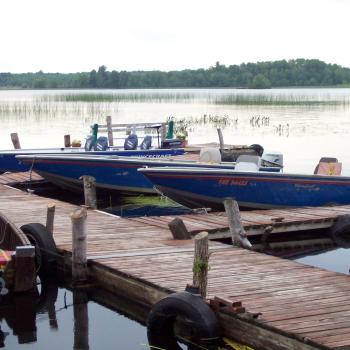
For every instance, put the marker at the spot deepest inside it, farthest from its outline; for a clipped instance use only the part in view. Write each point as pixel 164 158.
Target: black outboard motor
pixel 131 142
pixel 101 144
pixel 146 142
pixel 231 155
pixel 257 148
pixel 89 143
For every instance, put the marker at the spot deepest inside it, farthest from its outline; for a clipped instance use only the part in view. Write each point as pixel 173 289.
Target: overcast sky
pixel 80 35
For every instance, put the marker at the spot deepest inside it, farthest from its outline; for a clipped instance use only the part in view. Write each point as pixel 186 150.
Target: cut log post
pixel 25 271
pixel 15 140
pixel 81 320
pixel 238 234
pixel 221 139
pixel 79 245
pixel 90 191
pixel 178 229
pixel 109 130
pixel 200 263
pixel 67 142
pixel 50 216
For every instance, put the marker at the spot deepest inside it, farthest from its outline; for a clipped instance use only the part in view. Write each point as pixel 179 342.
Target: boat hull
pixel 209 188
pixel 111 172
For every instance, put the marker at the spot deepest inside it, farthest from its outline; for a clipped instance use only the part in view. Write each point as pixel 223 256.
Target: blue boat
pixel 9 162
pixel 111 172
pixel 203 187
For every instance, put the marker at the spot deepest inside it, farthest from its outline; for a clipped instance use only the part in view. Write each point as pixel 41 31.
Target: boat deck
pixel 300 307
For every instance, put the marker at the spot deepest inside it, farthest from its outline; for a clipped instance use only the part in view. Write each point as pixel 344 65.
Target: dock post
pixel 50 216
pixel 15 140
pixel 90 191
pixel 200 263
pixel 67 142
pixel 79 244
pixel 25 271
pixel 81 320
pixel 109 130
pixel 178 229
pixel 238 234
pixel 221 139
pixel 163 131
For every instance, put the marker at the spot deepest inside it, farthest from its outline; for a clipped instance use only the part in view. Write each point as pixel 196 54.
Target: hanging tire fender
pixel 340 231
pixel 162 317
pixel 45 247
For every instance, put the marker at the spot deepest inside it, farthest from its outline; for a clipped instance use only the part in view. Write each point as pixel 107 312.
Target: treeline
pixel 299 72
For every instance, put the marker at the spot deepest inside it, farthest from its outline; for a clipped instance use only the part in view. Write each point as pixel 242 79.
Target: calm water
pixel 304 124
pixel 49 322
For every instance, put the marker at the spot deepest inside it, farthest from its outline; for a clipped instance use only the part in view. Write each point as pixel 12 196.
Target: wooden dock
pixel 19 178
pixel 299 307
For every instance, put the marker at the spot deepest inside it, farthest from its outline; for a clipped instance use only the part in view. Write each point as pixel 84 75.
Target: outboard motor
pixel 89 143
pixel 146 142
pixel 131 142
pixel 101 144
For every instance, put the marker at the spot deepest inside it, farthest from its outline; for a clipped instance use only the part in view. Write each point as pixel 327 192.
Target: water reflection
pixel 57 318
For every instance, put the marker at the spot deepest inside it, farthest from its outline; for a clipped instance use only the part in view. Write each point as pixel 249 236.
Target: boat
pixel 111 172
pixel 251 188
pixel 101 146
pixel 9 162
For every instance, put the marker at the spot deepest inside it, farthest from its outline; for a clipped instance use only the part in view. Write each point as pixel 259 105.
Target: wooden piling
pixel 50 216
pixel 67 142
pixel 81 320
pixel 79 246
pixel 25 270
pixel 221 139
pixel 15 140
pixel 90 191
pixel 238 234
pixel 109 130
pixel 163 131
pixel 200 262
pixel 178 229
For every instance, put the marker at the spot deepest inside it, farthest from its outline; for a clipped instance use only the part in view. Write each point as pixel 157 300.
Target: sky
pixel 81 35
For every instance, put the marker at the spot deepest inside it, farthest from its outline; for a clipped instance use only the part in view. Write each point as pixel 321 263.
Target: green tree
pixel 260 82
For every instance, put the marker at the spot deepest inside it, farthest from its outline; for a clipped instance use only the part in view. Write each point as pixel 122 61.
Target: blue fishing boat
pixel 203 187
pixel 111 172
pixel 9 162
pixel 101 145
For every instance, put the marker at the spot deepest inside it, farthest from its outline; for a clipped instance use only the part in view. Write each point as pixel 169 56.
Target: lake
pixel 303 124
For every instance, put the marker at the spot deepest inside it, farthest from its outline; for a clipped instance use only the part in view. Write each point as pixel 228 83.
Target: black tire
pixel 340 231
pixel 202 320
pixel 258 149
pixel 45 247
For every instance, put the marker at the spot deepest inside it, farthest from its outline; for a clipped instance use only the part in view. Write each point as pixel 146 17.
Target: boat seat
pixel 248 163
pixel 101 144
pixel 210 155
pixel 131 142
pixel 146 143
pixel 328 166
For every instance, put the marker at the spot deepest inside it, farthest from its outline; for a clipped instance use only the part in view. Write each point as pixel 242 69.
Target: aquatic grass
pixel 183 125
pixel 276 100
pixel 122 96
pixel 53 109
